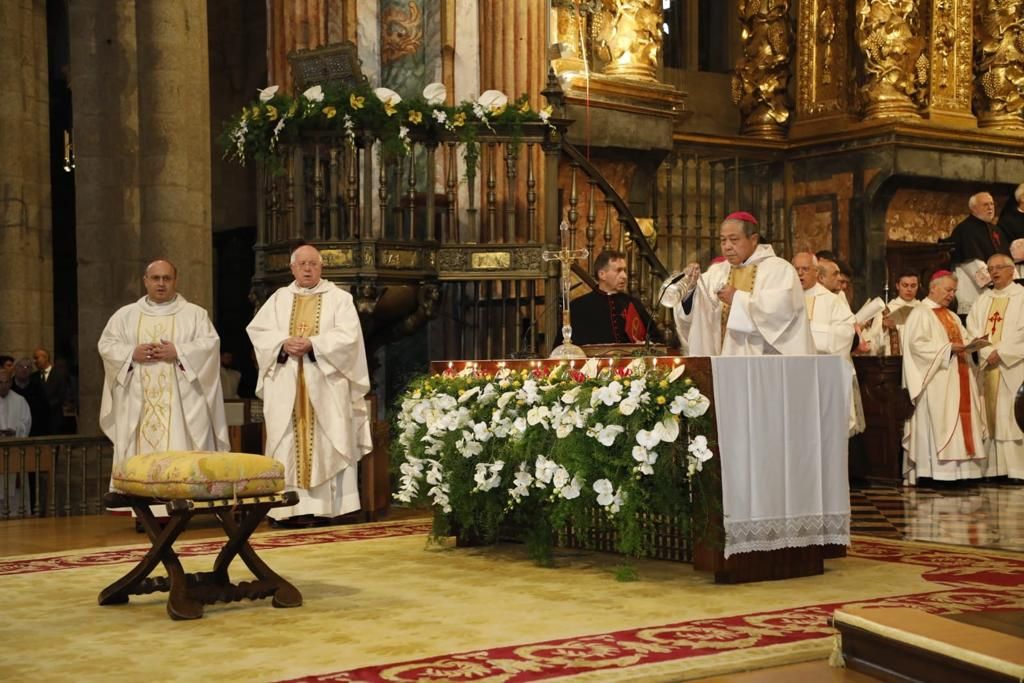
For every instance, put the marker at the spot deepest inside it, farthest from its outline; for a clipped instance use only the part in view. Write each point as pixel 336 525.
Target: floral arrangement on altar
pixel 543 448
pixel 257 132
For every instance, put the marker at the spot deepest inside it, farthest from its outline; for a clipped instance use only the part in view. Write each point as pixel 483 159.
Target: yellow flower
pixel 329 112
pixel 356 101
pixel 389 109
pixel 498 111
pixel 625 382
pixel 459 119
pixel 256 112
pixel 525 108
pixel 663 384
pixel 660 400
pixel 271 112
pixel 415 116
pixel 292 109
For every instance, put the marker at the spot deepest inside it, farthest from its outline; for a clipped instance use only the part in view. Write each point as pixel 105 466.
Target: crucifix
pixel 566 256
pixel 995 319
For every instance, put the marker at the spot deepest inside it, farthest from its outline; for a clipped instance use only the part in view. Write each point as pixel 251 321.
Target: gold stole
pixel 158 387
pixel 305 322
pixel 809 305
pixel 953 334
pixel 742 278
pixel 990 378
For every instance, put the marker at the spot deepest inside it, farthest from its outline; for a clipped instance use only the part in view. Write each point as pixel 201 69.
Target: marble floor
pixel 986 514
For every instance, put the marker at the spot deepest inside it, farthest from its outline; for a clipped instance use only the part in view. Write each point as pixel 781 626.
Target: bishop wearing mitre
pixel 751 304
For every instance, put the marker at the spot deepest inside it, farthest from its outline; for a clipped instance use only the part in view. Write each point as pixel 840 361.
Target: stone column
pixel 140 82
pixel 26 278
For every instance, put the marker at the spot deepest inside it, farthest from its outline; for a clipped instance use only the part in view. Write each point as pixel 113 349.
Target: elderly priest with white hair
pixel 945 437
pixel 751 304
pixel 313 380
pixel 999 315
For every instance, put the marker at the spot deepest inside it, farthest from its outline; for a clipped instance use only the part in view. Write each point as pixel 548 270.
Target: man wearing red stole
pixel 944 438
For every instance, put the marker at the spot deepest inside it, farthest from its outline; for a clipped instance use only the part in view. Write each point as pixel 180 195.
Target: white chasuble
pixel 944 438
pixel 320 438
pixel 1000 315
pixel 832 329
pixel 770 319
pixel 153 406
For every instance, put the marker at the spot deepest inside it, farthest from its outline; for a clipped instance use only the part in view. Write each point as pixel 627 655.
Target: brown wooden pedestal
pixel 886 407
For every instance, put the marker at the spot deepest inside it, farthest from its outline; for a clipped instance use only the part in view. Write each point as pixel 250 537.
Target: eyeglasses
pixel 1002 267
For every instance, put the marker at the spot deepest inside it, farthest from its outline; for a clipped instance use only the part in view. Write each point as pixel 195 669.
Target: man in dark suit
pixel 55 384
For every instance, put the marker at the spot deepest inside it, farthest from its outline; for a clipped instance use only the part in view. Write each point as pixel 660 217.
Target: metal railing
pixel 54 476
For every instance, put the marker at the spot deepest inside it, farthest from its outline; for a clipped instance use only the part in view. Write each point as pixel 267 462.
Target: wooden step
pixel 904 644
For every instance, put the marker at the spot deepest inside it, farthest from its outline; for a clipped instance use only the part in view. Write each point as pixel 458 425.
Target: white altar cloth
pixel 782 436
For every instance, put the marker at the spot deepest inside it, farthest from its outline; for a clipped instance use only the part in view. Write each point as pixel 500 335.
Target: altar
pixel 743 460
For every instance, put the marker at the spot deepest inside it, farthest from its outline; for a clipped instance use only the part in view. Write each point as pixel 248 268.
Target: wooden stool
pixel 196 483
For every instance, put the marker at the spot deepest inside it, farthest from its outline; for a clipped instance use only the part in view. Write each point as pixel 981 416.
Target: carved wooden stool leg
pixel 284 593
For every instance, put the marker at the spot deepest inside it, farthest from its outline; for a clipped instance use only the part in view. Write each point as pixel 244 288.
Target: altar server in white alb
pixel 313 381
pixel 945 437
pixel 831 322
pixel 751 304
pixel 161 363
pixel 999 313
pixel 885 334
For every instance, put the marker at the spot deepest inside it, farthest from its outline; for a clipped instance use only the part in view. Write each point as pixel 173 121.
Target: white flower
pixel 314 94
pixel 435 94
pixel 387 96
pixel 637 367
pixel 696 403
pixel 481 431
pixel 648 438
pixel 563 429
pixel 676 373
pixel 488 475
pixel 608 395
pixel 590 368
pixel 466 395
pixel 544 114
pixel 545 470
pixel 492 100
pixel 570 396
pixel 560 479
pixel 605 435
pixel 506 397
pixel 267 94
pixel 629 405
pixel 699 453
pixel 605 492
pixel 538 415
pixel 572 490
pixel 529 392
pixel 522 482
pixel 667 430
pixel 440 116
pixel 646 458
pixel 677 404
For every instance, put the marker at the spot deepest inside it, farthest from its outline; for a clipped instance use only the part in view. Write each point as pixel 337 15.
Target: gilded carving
pixel 761 79
pixel 946 67
pixel 630 39
pixel 999 56
pixel 888 35
pixel 490 260
pixel 337 258
pixel 402 32
pixel 822 58
pixel 575 22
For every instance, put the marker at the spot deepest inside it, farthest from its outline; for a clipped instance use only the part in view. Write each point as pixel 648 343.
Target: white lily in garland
pixel 314 94
pixel 267 94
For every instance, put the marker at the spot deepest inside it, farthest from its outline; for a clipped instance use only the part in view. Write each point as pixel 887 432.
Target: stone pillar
pixel 140 82
pixel 26 278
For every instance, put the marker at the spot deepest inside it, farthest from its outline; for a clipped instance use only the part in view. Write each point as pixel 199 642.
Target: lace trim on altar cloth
pixel 790 532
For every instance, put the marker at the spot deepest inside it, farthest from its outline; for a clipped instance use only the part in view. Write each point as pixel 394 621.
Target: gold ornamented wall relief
pixel 629 38
pixel 760 81
pixel 946 65
pixel 891 47
pixel 822 59
pixel 999 59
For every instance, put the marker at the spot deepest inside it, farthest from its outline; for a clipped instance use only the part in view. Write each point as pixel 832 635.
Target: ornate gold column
pixel 890 42
pixel 999 56
pixel 947 62
pixel 629 39
pixel 761 79
pixel 823 67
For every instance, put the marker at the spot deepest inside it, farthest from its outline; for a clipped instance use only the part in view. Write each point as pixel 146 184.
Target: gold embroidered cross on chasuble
pixel 305 322
pixel 994 328
pixel 741 278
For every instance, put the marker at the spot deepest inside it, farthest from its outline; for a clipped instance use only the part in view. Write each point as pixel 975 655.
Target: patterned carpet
pixel 380 605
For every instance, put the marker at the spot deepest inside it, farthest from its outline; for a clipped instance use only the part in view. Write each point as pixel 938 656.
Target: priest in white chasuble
pixel 885 334
pixel 751 304
pixel 161 362
pixel 999 314
pixel 944 438
pixel 313 380
pixel 832 324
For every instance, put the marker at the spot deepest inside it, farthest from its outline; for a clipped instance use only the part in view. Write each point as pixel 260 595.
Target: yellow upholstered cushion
pixel 199 475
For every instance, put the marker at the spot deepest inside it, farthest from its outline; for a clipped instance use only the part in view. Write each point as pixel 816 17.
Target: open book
pixel 900 315
pixel 869 310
